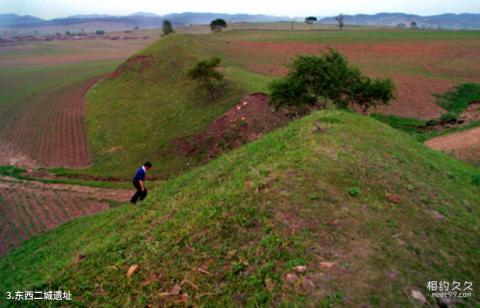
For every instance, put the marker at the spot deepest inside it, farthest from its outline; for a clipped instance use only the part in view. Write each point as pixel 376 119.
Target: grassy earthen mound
pixel 355 214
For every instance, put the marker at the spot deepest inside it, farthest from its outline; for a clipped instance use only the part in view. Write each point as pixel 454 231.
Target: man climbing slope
pixel 139 182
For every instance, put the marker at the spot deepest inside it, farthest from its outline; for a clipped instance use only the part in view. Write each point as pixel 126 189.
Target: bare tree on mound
pixel 310 21
pixel 340 20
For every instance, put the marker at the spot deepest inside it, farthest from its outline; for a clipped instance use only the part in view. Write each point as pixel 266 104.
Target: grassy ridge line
pixel 138 115
pixel 249 217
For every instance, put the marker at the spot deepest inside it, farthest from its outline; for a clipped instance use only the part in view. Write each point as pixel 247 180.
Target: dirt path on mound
pixel 28 208
pixel 463 145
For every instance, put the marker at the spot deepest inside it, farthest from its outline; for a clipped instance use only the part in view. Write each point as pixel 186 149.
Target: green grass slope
pixel 390 213
pixel 137 115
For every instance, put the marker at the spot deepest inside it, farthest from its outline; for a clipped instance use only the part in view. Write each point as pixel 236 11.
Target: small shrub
pixel 206 72
pixel 238 268
pixel 333 300
pixel 295 262
pixel 354 191
pixel 476 179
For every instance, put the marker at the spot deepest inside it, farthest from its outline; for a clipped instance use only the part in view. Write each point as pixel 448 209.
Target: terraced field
pixel 51 131
pixel 30 208
pixel 42 85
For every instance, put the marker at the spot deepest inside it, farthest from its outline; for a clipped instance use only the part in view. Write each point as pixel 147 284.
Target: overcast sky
pixel 60 8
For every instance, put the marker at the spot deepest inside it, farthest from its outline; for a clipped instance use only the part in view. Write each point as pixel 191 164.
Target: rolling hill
pixel 444 21
pixel 16 21
pixel 139 19
pixel 151 20
pixel 355 213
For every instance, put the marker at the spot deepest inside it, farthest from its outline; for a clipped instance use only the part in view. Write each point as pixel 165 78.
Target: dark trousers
pixel 139 193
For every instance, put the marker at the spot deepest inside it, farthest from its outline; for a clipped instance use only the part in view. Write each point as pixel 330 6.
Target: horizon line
pixel 252 14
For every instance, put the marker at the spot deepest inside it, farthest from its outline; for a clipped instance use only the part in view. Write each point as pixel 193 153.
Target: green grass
pixel 248 80
pixel 137 116
pixel 458 99
pixel 249 217
pixel 11 171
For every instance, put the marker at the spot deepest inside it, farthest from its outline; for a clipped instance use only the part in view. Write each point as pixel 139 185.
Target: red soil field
pixel 51 133
pixel 419 69
pixel 415 96
pixel 463 145
pixel 29 208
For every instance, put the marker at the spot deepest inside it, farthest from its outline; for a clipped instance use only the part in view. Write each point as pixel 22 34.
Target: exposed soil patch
pixel 135 63
pixel 432 49
pixel 11 155
pixel 245 122
pixel 472 113
pixel 463 145
pixel 415 97
pixel 29 208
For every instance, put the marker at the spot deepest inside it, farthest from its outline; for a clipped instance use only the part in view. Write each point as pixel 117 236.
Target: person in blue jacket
pixel 139 182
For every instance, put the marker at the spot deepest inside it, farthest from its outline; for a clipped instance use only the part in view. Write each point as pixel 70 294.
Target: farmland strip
pixel 9 233
pixel 15 214
pixel 24 199
pixel 51 206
